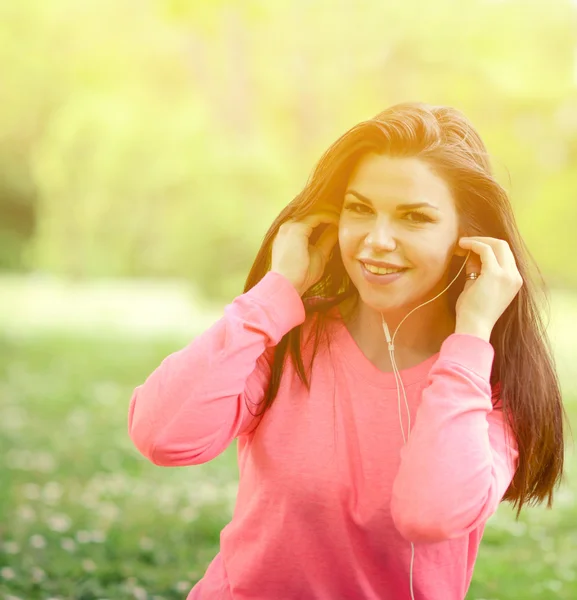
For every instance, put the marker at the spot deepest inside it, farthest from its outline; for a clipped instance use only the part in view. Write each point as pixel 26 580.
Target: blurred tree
pixel 161 138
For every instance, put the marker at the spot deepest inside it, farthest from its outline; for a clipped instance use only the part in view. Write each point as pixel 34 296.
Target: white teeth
pixel 380 270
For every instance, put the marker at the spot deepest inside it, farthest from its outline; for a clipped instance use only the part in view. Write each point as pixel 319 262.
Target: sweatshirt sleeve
pixel 193 404
pixel 461 456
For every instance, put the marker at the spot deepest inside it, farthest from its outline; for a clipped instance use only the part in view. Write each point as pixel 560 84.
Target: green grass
pixel 84 516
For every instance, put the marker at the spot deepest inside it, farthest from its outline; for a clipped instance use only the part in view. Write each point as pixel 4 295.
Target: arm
pixel 193 405
pixel 459 460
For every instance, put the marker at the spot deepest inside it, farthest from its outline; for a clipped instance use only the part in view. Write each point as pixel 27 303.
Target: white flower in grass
pixel 146 543
pixel 109 511
pixel 182 586
pixel 189 514
pixel 38 575
pixel 59 522
pixel 98 536
pixel 139 593
pixel 37 541
pixel 90 501
pixel 11 548
pixel 31 491
pixel 26 513
pixel 166 501
pixel 7 573
pixel 89 565
pixel 68 544
pixel 44 462
pixel 208 493
pixel 83 537
pixel 52 492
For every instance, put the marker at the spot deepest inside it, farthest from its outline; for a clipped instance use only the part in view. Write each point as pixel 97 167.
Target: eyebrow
pixel 399 206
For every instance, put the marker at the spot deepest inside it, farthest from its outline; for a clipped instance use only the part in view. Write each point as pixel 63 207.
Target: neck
pixel 420 335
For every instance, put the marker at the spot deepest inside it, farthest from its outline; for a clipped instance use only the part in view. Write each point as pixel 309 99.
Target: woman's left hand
pixel 485 299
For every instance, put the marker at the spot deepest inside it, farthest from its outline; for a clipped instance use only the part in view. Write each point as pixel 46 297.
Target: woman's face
pixel 420 238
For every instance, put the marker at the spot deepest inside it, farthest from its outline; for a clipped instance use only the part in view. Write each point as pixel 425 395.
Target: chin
pixel 383 300
pixel 380 301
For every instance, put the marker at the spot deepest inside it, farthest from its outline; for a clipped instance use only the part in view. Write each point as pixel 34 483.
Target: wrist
pixel 476 328
pixel 289 279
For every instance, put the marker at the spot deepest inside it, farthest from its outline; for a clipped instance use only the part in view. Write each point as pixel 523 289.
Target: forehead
pixel 386 179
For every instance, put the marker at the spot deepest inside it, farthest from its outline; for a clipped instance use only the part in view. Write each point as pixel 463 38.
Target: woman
pixel 339 495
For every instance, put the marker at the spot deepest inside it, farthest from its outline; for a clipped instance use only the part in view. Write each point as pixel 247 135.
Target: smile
pixel 381 279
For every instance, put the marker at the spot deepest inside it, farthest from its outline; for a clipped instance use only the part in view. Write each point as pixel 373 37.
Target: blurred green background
pixel 145 148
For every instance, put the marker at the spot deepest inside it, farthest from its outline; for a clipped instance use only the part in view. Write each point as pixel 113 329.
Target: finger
pixel 319 217
pixel 485 251
pixel 327 240
pixel 501 249
pixel 472 263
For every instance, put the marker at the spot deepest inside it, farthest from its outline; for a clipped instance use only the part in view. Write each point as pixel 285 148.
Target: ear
pixel 458 251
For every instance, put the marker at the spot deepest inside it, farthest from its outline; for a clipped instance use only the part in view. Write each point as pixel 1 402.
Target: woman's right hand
pixel 294 257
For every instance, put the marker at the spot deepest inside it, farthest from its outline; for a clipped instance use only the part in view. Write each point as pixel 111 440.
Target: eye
pixel 353 205
pixel 422 217
pixel 419 217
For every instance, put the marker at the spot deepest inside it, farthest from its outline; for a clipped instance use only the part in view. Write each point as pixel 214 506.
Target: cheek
pixel 431 249
pixel 342 237
pixel 346 236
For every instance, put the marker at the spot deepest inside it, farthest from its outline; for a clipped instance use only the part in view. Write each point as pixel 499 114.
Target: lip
pixel 377 263
pixel 380 279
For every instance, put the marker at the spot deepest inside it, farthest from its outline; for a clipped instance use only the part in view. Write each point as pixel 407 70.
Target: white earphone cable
pixel 399 380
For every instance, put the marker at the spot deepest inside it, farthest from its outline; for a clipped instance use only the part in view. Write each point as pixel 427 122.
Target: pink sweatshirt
pixel 329 498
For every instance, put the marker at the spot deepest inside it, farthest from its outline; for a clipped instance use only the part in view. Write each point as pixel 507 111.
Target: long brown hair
pixel 523 377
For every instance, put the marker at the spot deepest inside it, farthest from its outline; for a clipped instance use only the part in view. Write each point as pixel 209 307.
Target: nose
pixel 381 235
